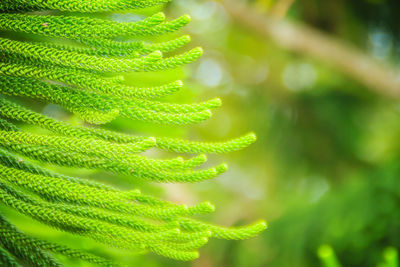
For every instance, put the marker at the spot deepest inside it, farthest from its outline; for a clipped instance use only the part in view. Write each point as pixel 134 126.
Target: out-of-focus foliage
pixel 326 167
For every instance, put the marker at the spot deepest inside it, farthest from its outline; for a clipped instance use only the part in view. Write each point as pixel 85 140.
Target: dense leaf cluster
pixel 73 76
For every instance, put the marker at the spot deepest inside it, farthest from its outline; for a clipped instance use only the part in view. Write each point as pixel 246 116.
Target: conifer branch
pixel 86 78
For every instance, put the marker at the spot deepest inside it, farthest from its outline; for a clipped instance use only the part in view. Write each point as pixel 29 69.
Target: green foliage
pixel 327 256
pixel 329 259
pixel 35 249
pixel 391 258
pixel 83 75
pixel 78 5
pixel 325 170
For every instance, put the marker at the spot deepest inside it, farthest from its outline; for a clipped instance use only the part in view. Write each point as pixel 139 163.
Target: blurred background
pixel 319 83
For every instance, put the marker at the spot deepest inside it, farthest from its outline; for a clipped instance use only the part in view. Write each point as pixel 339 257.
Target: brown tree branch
pixel 303 39
pixel 281 8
